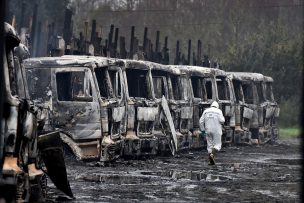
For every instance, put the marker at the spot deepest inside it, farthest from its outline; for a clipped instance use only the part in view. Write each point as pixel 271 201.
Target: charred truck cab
pixel 268 111
pixel 225 98
pixel 177 89
pixel 243 113
pixel 112 100
pixel 203 92
pixel 258 96
pixel 272 111
pixel 84 99
pixel 142 110
pixel 251 94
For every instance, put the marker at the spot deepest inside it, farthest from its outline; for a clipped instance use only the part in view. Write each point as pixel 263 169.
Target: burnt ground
pixel 268 173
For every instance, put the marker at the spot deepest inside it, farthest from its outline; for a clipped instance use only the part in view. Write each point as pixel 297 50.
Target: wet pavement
pixel 268 173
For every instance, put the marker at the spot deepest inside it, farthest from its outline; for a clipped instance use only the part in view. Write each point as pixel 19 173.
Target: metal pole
pixel 67 29
pixel 115 41
pixel 33 31
pixel 132 42
pixel 189 52
pixel 22 18
pixel 93 32
pixel 176 61
pixel 145 39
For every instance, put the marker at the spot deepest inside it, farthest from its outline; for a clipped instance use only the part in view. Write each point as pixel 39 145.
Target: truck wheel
pixel 22 189
pixel 38 190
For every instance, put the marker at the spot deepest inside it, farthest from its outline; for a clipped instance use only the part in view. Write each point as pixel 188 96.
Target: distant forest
pixel 263 36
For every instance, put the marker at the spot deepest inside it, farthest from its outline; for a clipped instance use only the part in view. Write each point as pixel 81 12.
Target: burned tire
pixel 44 186
pixel 22 188
pixel 38 189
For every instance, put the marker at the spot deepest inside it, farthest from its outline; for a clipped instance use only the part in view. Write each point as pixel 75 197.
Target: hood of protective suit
pixel 215 104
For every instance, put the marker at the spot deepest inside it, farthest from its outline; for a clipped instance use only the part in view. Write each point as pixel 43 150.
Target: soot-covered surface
pixel 268 173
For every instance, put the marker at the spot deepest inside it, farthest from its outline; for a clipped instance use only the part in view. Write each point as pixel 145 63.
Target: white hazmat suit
pixel 210 122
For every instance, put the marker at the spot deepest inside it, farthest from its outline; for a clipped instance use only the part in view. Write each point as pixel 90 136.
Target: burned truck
pixel 225 98
pixel 142 109
pixel 171 84
pixel 203 92
pixel 207 85
pixel 24 181
pixel 257 109
pixel 272 111
pixel 85 101
pixel 243 114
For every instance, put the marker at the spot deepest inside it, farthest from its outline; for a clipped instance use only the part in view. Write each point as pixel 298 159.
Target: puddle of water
pixel 220 189
pixel 189 175
pixel 266 192
pixel 116 179
pixel 289 194
pixel 190 187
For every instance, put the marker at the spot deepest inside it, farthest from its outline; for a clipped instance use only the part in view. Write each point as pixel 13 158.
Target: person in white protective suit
pixel 211 125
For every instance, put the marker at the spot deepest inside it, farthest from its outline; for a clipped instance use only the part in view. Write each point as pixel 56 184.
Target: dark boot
pixel 214 151
pixel 211 159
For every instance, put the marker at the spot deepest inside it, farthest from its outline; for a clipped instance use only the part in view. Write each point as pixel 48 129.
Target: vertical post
pixel 135 47
pixel 149 50
pixel 49 36
pixel 122 48
pixel 81 43
pixel 37 44
pixel 176 61
pixel 105 51
pixel 67 27
pixel 98 43
pixel 53 28
pixel 22 18
pixel 86 30
pixel 156 55
pixel 99 36
pixel 115 42
pixel 44 40
pixel 132 42
pixel 93 32
pixel 157 42
pixel 166 42
pixel 86 25
pixel 33 31
pixel 209 55
pixel 166 54
pixel 199 53
pixel 110 40
pixel 100 32
pixel 145 39
pixel 189 52
pixel 194 59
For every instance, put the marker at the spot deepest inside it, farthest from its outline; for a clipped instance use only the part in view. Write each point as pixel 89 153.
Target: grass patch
pixel 290 132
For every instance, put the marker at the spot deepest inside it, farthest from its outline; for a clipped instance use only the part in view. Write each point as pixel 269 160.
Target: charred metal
pixel 105 107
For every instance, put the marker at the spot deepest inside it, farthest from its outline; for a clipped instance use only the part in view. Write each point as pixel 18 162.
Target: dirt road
pixel 269 173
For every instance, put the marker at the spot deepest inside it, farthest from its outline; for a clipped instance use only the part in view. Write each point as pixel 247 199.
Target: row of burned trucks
pixel 104 108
